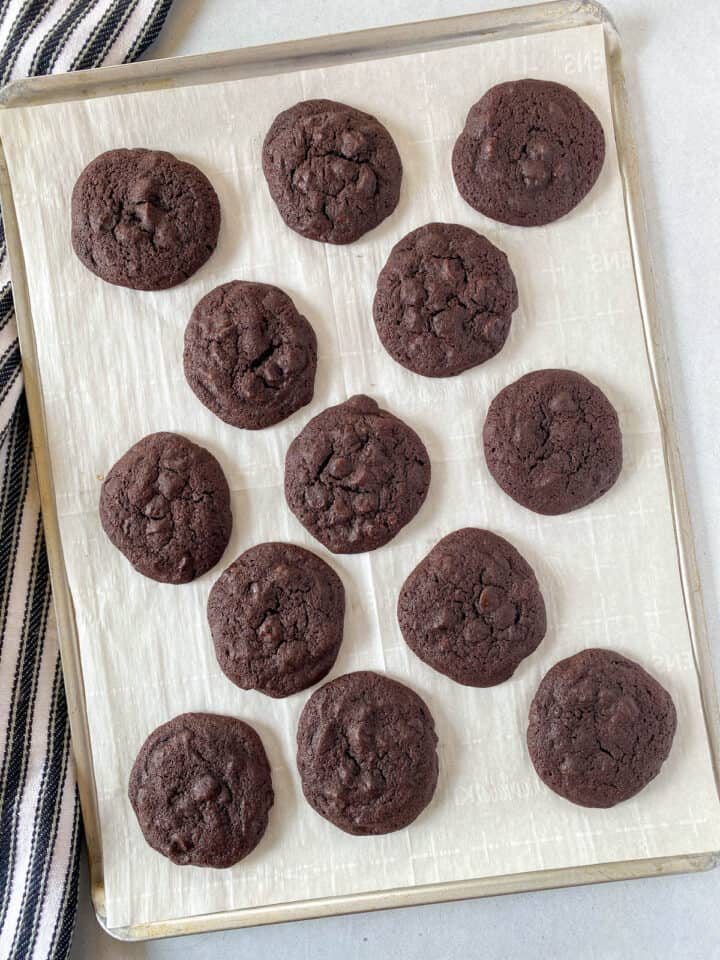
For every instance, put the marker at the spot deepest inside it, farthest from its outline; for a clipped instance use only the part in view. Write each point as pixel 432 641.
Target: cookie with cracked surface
pixel 472 608
pixel 334 172
pixel 529 152
pixel 552 441
pixel 444 300
pixel 356 475
pixel 166 506
pixel 366 752
pixel 143 219
pixel 276 618
pixel 201 790
pixel 249 356
pixel 600 728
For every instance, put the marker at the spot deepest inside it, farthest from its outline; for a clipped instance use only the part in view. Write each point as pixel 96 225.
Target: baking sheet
pixel 111 369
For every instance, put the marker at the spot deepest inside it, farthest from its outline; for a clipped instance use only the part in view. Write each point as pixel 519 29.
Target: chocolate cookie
pixel 552 441
pixel 276 617
pixel 472 609
pixel 201 790
pixel 250 357
pixel 356 475
pixel 366 753
pixel 600 728
pixel 143 219
pixel 166 505
pixel 529 152
pixel 333 171
pixel 444 300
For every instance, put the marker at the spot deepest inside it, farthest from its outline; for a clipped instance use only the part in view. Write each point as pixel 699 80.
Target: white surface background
pixel 667 45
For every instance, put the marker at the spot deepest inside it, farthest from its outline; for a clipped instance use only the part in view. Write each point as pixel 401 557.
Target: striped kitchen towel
pixel 39 814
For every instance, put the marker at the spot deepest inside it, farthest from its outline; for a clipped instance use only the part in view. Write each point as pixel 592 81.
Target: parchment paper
pixel 111 369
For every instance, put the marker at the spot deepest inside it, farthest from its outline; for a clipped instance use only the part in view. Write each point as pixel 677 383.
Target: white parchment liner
pixel 111 370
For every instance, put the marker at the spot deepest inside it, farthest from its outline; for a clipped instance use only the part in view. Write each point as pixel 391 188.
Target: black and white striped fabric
pixel 39 814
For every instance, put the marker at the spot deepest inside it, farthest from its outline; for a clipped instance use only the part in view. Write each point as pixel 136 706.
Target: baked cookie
pixel 356 475
pixel 333 171
pixel 472 609
pixel 250 357
pixel 530 151
pixel 143 219
pixel 276 617
pixel 552 441
pixel 444 300
pixel 366 753
pixel 600 728
pixel 201 790
pixel 166 505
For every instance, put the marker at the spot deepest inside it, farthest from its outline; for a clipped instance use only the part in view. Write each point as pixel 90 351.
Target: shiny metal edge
pixel 287 56
pixel 306 54
pixel 658 364
pixel 421 896
pixel 62 597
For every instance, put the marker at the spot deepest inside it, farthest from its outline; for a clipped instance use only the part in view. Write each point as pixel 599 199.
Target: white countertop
pixel 669 48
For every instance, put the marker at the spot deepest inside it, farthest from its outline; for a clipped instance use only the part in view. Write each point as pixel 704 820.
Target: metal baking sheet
pixel 269 62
